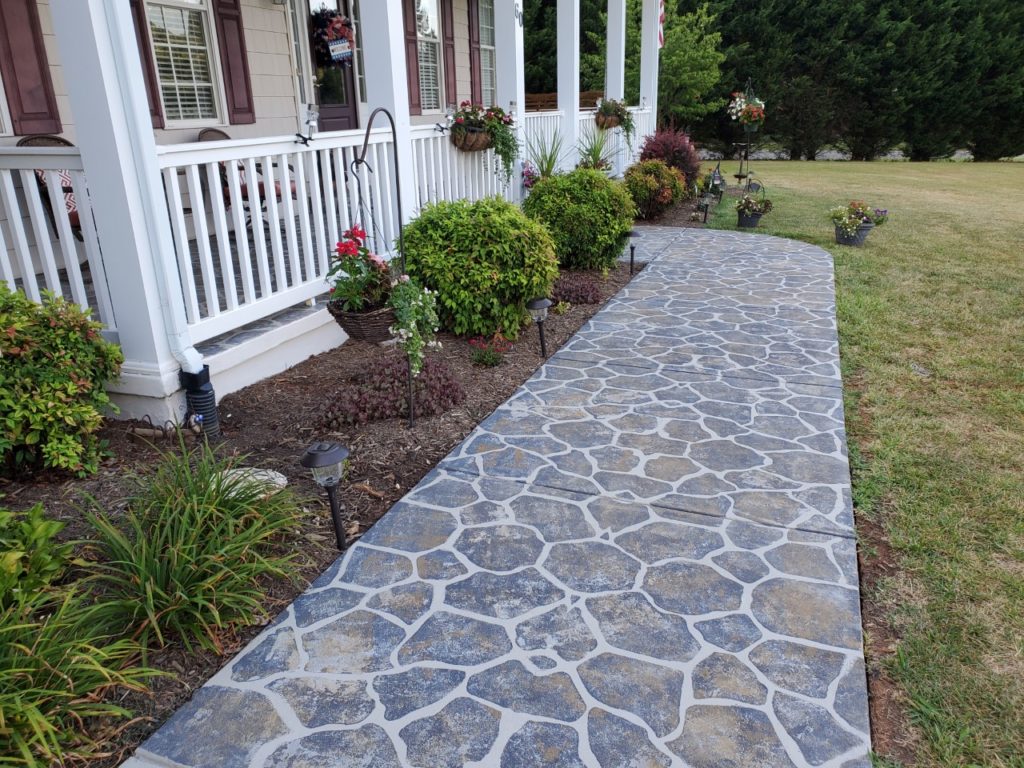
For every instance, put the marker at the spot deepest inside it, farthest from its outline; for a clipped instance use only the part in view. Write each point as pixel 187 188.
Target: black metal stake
pixel 412 395
pixel 339 529
pixel 543 346
pixel 632 256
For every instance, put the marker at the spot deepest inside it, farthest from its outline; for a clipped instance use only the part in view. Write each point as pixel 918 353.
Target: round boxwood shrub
pixel 484 260
pixel 653 186
pixel 589 216
pixel 54 365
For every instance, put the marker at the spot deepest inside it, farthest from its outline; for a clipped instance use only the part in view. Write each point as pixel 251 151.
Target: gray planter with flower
pixel 748 220
pixel 857 238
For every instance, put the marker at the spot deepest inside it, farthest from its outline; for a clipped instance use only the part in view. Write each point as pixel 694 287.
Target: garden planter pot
pixel 748 220
pixel 471 139
pixel 857 238
pixel 750 127
pixel 606 121
pixel 364 326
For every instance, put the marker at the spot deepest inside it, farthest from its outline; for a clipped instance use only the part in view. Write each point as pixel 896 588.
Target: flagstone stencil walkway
pixel 646 557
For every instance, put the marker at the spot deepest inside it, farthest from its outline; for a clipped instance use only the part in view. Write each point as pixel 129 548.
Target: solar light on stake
pixel 538 309
pixel 328 462
pixel 632 248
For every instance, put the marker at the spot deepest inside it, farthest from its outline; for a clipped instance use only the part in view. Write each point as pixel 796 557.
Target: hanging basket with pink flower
pixel 475 128
pixel 361 284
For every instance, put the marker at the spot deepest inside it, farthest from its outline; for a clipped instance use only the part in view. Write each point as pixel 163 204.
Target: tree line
pixel 930 76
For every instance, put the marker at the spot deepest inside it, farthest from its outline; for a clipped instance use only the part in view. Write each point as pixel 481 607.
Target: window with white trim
pixel 428 50
pixel 181 35
pixel 488 67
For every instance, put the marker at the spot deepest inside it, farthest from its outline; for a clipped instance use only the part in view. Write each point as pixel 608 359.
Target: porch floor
pixel 646 556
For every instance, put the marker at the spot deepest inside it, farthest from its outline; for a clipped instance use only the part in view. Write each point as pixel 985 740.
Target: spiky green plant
pixel 188 557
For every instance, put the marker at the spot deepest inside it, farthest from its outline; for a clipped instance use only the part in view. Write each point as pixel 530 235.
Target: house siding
pixel 271 68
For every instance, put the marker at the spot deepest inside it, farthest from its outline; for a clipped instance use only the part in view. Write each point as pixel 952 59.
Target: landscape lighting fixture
pixel 632 248
pixel 328 462
pixel 538 309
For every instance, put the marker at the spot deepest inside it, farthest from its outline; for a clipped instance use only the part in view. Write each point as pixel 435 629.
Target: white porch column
pixel 649 50
pixel 387 85
pixel 569 79
pixel 100 58
pixel 615 52
pixel 510 62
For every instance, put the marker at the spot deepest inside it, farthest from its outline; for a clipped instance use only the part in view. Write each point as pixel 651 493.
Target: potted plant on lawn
pixel 360 288
pixel 475 129
pixel 614 114
pixel 750 209
pixel 854 221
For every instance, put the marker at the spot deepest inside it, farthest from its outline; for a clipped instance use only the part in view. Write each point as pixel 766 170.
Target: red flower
pixel 356 233
pixel 459 120
pixel 348 248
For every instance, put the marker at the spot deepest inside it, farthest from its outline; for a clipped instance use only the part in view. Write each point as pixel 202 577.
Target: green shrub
pixel 588 214
pixel 653 186
pixel 56 662
pixel 485 260
pixel 55 366
pixel 188 558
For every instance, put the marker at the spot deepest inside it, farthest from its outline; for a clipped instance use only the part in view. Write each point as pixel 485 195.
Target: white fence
pixel 254 221
pixel 442 172
pixel 47 234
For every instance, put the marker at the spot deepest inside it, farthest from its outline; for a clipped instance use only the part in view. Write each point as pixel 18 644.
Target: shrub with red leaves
pixel 675 149
pixel 576 288
pixel 381 393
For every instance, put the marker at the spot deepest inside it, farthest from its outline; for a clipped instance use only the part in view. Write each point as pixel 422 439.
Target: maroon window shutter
pixel 476 76
pixel 25 70
pixel 148 68
pixel 412 59
pixel 451 86
pixel 234 62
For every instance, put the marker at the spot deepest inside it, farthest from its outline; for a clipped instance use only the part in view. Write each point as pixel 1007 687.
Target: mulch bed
pixel 272 422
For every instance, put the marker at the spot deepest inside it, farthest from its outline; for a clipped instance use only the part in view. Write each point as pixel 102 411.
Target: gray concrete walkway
pixel 646 557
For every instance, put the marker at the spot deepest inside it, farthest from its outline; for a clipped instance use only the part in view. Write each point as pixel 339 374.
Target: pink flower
pixel 459 120
pixel 403 278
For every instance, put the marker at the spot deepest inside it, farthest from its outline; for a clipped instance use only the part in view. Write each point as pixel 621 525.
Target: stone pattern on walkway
pixel 646 557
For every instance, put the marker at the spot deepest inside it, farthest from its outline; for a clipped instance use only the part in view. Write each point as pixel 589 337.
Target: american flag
pixel 661 24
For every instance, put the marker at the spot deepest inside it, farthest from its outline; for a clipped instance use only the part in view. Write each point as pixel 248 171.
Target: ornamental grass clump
pixel 654 187
pixel 187 558
pixel 483 260
pixel 588 214
pixel 54 368
pixel 58 665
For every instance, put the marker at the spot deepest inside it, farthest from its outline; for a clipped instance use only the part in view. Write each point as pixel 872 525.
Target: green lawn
pixel 931 322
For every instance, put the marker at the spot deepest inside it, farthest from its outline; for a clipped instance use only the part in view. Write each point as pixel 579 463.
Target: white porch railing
pixel 43 246
pixel 540 129
pixel 442 172
pixel 254 221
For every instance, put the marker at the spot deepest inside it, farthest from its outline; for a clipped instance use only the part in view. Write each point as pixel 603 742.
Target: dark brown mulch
pixel 679 215
pixel 272 422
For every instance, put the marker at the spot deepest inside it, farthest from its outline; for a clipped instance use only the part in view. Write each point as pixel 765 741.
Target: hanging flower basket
pixel 373 326
pixel 606 121
pixel 472 139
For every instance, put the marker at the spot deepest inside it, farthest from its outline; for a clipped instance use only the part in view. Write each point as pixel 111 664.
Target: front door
pixel 332 49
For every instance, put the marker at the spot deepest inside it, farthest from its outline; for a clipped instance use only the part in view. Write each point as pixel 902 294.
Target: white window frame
pixel 212 49
pixel 6 126
pixel 494 56
pixel 441 95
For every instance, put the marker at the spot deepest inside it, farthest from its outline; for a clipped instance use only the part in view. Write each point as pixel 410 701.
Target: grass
pixel 931 321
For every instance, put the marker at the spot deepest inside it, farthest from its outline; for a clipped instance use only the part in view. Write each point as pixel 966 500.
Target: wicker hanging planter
pixel 606 121
pixel 471 139
pixel 371 326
